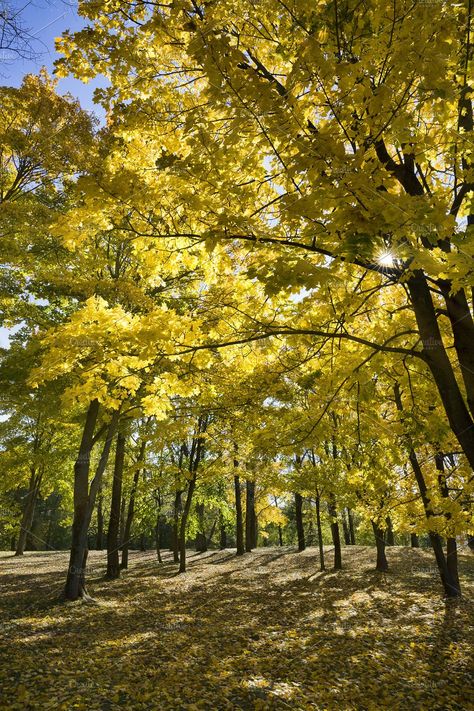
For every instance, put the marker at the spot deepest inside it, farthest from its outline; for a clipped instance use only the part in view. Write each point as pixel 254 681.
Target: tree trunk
pixel 201 540
pixel 280 536
pixel 184 521
pixel 126 535
pixel 450 585
pixel 336 538
pixel 100 521
pixel 239 523
pixel 414 540
pixel 175 529
pixel 452 561
pixel 299 521
pixel 127 529
pixel 28 511
pixel 211 533
pixel 123 504
pixel 75 581
pixel 351 527
pixel 345 529
pixel 158 537
pixel 435 356
pixel 382 564
pixel 197 451
pixel 142 542
pixel 320 533
pixel 390 540
pixel 462 326
pixel 451 552
pixel 250 518
pixel 113 566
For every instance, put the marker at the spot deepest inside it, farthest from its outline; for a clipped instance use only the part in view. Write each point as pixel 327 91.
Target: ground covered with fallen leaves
pixel 264 631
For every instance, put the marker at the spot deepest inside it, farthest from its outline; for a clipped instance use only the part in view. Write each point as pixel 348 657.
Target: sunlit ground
pixel 265 631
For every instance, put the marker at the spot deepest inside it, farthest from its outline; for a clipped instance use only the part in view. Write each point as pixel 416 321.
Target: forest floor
pixel 264 631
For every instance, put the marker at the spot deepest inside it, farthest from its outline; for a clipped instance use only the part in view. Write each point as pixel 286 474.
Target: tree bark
pixel 184 521
pixel 451 587
pixel 299 521
pixel 451 545
pixel 84 500
pixel 345 529
pixel 450 584
pixel 435 356
pixel 75 582
pixel 250 518
pixel 320 533
pixel 123 505
pixel 415 543
pixel 100 521
pixel 113 566
pixel 350 516
pixel 196 454
pixel 28 510
pixel 239 523
pixel 336 538
pixel 175 528
pixel 211 532
pixel 127 529
pixel 201 540
pixel 382 564
pixel 452 561
pixel 462 326
pixel 390 538
pixel 280 536
pixel 158 537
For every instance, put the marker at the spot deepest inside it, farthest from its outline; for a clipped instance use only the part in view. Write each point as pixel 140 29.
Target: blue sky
pixel 46 20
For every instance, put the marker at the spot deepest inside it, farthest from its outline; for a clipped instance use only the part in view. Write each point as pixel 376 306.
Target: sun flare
pixel 386 259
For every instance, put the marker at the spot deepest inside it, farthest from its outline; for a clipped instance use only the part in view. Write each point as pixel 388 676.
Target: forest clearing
pixel 237 354
pixel 264 631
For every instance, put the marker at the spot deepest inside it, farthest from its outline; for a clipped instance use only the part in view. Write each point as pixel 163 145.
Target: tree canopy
pixel 245 303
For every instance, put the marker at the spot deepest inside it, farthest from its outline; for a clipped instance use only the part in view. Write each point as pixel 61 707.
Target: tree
pixel 16 39
pixel 196 454
pixel 37 160
pixel 36 435
pixel 265 256
pixel 355 96
pixel 113 543
pixel 138 464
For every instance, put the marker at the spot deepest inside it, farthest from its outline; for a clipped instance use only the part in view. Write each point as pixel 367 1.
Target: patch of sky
pixel 44 21
pixel 6 333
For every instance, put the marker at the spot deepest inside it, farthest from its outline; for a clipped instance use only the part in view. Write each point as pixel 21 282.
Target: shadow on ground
pixel 263 631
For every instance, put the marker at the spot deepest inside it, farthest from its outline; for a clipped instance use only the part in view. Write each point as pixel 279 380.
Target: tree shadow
pixel 264 630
